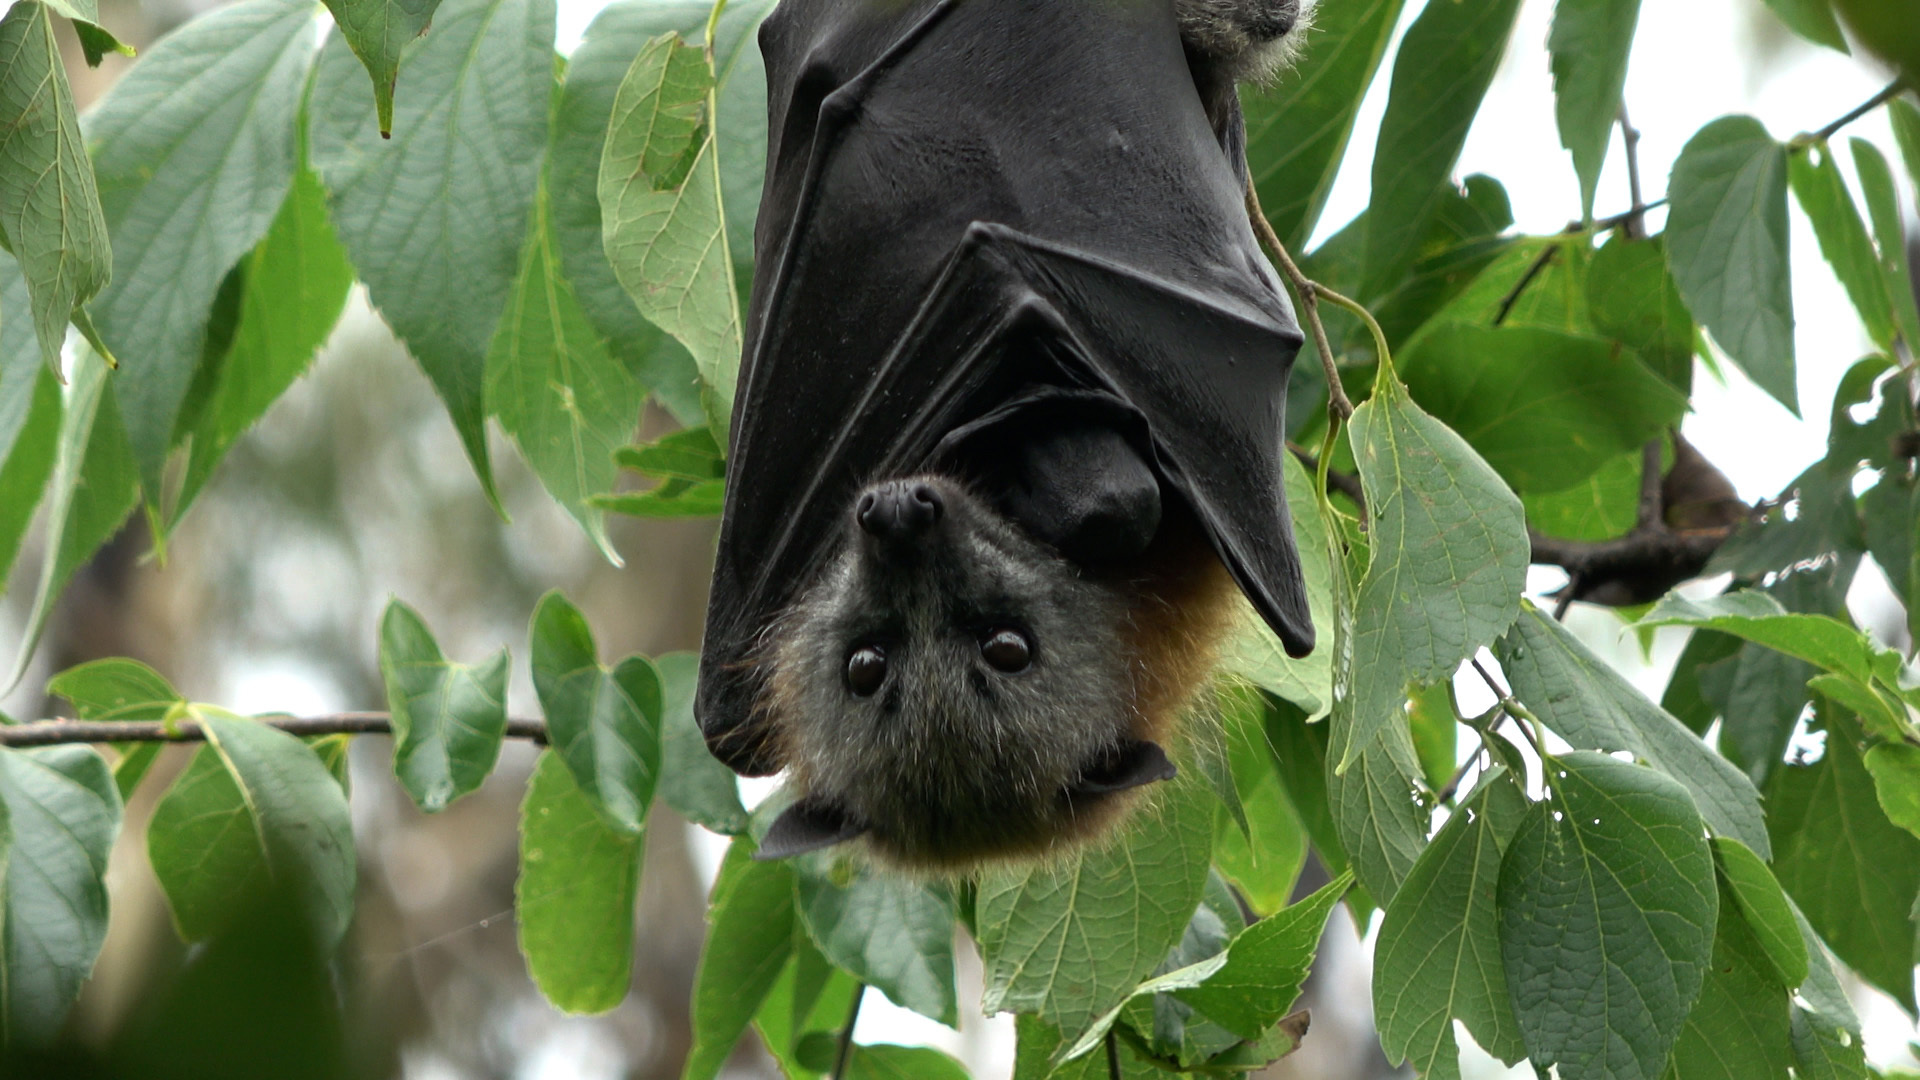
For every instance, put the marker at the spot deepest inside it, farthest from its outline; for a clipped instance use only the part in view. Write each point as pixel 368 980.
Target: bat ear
pixel 806 826
pixel 1136 764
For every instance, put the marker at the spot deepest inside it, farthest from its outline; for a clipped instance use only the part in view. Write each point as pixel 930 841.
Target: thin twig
pixel 56 732
pixel 1113 1057
pixel 1310 294
pixel 845 1049
pixel 1892 91
pixel 1534 269
pixel 1650 513
pixel 1630 136
pixel 1530 725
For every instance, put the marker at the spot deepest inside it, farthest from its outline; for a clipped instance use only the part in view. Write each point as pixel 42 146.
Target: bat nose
pixel 898 509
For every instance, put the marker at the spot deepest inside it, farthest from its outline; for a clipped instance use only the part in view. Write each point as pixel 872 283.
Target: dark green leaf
pixel 435 218
pixel 195 152
pixel 1594 707
pixel 1590 42
pixel 1264 860
pixel 1600 507
pixel 30 413
pixel 693 781
pixel 1896 780
pixel 448 718
pixel 1759 695
pixel 1890 235
pixel 62 812
pixel 1297 133
pixel 1765 909
pixel 687 454
pixel 1379 809
pixel 557 392
pixel 296 287
pixel 890 933
pixel 379 31
pixel 1072 938
pixel 1822 1051
pixel 254 810
pixel 1255 653
pixel 50 215
pixel 886 1062
pixel 1906 131
pixel 1300 754
pixel 1844 242
pixel 1545 409
pixel 1449 558
pixel 1727 246
pixel 604 723
pixel 116 689
pixel 1265 965
pixel 1607 909
pixel 1853 872
pixel 749 942
pixel 1683 697
pixel 1438 955
pixel 579 879
pixel 1811 19
pixel 1739 1029
pixel 1633 300
pixel 1441 73
pixel 673 499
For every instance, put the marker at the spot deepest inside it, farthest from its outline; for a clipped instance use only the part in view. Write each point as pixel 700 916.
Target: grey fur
pixel 951 760
pixel 1252 40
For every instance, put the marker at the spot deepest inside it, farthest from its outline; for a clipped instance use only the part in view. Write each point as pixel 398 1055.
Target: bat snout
pixel 899 511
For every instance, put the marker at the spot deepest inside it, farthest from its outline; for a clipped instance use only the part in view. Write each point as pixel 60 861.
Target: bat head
pixel 952 688
pixel 1250 40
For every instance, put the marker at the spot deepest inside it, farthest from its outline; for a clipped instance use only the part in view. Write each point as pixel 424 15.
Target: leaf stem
pixel 1530 725
pixel 61 731
pixel 845 1049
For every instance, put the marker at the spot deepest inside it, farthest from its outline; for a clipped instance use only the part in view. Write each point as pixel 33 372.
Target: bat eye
pixel 866 670
pixel 1007 650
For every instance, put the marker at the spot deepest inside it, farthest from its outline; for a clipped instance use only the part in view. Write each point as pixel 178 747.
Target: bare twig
pixel 1630 136
pixel 1892 90
pixel 56 732
pixel 1650 512
pixel 1310 294
pixel 1113 1057
pixel 1534 270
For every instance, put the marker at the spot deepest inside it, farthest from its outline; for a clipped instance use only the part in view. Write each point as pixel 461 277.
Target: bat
pixel 1008 430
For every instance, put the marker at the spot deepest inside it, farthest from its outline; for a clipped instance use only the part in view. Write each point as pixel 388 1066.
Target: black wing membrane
pixel 967 200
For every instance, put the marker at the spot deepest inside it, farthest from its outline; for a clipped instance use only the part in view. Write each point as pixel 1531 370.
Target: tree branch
pixel 1310 293
pixel 1630 136
pixel 845 1048
pixel 56 732
pixel 1892 90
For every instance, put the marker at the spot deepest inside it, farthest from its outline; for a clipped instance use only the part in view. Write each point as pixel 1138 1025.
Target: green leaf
pixel 1594 707
pixel 1441 73
pixel 195 152
pixel 579 880
pixel 255 809
pixel 1823 992
pixel 693 781
pixel 1265 859
pixel 800 1020
pixel 93 486
pixel 30 413
pixel 1811 19
pixel 891 933
pixel 673 500
pixel 1906 132
pixel 750 940
pixel 1600 507
pixel 1764 906
pixel 1607 907
pixel 1545 409
pixel 63 814
pixel 1890 234
pixel 434 219
pixel 1072 937
pixel 1896 779
pixel 604 723
pixel 1255 653
pixel 116 689
pixel 661 211
pixel 1590 43
pixel 687 454
pixel 1853 872
pixel 1822 1051
pixel 296 284
pixel 1266 964
pixel 379 31
pixel 1844 243
pixel 1297 132
pixel 1438 954
pixel 50 215
pixel 1299 752
pixel 562 397
pixel 448 718
pixel 1727 246
pixel 594 72
pixel 1449 558
pixel 1379 809
pixel 1183 978
pixel 1739 1029
pixel 1757 617
pixel 1632 299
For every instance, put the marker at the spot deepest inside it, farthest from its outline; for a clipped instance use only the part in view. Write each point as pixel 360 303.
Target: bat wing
pixel 966 200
